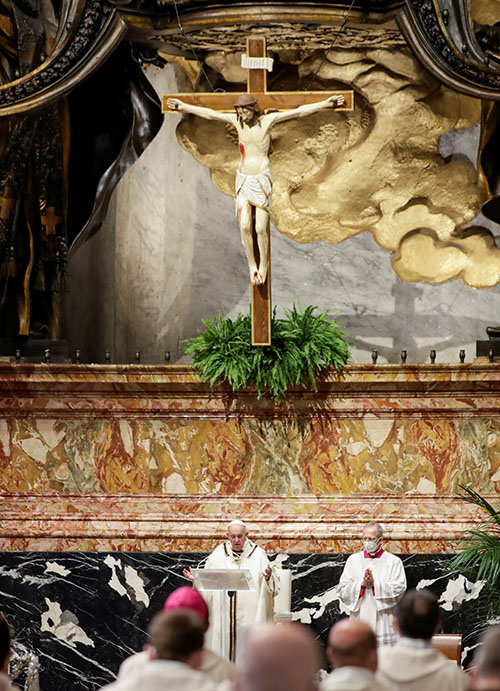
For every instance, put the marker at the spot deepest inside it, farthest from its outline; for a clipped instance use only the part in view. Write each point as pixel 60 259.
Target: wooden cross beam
pixel 268 101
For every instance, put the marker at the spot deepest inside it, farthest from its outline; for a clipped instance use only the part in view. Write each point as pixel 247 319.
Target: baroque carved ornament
pixel 457 50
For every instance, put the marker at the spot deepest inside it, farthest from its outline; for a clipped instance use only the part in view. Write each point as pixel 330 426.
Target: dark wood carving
pixel 465 56
pixel 93 29
pixel 53 189
pixel 456 51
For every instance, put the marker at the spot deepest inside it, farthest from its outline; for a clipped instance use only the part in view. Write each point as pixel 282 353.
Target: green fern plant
pixel 302 346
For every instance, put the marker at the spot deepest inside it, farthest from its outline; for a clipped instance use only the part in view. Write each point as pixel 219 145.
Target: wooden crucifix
pixel 253 114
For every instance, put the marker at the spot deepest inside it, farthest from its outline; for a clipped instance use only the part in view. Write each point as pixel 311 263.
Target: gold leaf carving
pixel 377 169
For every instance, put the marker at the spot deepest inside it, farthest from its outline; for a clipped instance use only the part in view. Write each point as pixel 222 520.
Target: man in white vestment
pixel 244 608
pixel 372 583
pixel 282 657
pixel 352 653
pixel 212 665
pixel 175 657
pixel 413 664
pixel 486 667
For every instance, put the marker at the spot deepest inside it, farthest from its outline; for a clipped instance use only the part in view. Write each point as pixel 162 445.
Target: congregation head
pixel 277 658
pixel 4 643
pixel 352 643
pixel 486 670
pixel 418 614
pixel 177 635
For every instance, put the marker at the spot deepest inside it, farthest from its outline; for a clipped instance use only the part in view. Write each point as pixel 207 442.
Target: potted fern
pixel 303 345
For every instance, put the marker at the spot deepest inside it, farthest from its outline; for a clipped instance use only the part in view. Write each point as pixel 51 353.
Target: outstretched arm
pixel 307 109
pixel 201 111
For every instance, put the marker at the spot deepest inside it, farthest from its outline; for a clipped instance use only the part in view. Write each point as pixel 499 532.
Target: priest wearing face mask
pixel 245 608
pixel 372 583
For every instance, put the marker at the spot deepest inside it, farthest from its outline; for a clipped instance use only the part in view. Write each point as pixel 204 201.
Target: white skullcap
pixel 236 522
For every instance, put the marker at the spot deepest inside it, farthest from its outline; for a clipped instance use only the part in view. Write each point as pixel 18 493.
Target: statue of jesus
pixel 253 176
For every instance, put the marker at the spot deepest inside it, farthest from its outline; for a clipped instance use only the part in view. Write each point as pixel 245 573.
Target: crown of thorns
pixel 245 100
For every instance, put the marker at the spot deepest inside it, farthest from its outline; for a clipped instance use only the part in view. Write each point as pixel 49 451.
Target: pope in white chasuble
pixel 244 608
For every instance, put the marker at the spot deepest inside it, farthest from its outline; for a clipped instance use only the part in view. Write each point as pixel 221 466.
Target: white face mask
pixel 371 546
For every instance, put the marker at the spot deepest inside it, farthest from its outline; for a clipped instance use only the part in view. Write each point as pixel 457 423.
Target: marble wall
pixel 84 613
pixel 169 255
pixel 112 478
pixel 146 458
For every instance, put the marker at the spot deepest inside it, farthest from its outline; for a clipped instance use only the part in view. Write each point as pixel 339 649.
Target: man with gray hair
pixel 372 583
pixel 245 607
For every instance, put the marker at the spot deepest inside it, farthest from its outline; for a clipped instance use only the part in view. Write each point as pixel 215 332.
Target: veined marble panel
pixel 84 613
pixel 134 458
pixel 302 523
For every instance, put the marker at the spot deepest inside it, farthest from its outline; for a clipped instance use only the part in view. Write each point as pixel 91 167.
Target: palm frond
pixel 478 553
pixel 475 498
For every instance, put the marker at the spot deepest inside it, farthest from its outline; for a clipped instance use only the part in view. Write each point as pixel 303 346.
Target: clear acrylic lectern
pixel 223 581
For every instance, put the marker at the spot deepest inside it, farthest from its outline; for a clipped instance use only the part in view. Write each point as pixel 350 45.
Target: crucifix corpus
pixel 253 114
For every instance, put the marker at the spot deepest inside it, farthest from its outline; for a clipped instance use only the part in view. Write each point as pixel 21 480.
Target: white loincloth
pixel 255 189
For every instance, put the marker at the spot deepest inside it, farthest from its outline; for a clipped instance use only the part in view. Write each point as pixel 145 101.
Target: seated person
pixel 175 657
pixel 215 667
pixel 413 664
pixel 486 667
pixel 5 655
pixel 352 653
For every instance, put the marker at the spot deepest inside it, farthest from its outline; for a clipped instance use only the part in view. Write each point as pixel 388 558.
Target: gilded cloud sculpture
pixel 377 169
